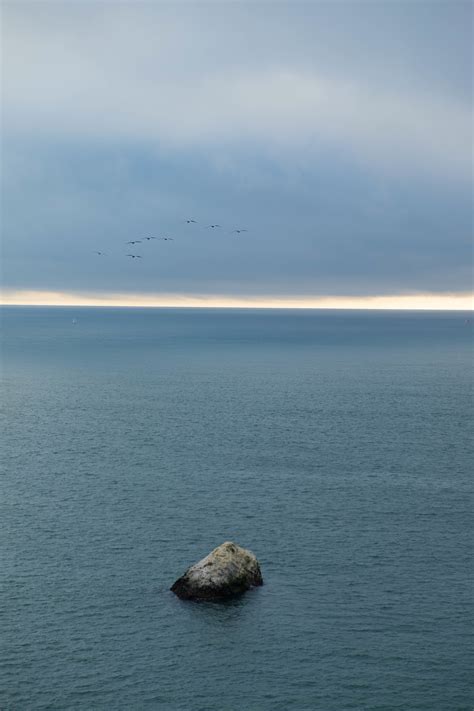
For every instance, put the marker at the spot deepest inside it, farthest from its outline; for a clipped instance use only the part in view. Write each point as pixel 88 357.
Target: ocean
pixel 336 445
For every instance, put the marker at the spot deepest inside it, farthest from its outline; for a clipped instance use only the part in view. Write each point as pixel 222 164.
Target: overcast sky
pixel 338 133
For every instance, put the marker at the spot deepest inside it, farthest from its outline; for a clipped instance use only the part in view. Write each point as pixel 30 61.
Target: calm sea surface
pixel 335 445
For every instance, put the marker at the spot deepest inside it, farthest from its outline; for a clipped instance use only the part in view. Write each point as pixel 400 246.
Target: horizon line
pixel 422 301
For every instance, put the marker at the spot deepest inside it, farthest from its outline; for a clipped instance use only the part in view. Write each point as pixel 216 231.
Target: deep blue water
pixel 335 445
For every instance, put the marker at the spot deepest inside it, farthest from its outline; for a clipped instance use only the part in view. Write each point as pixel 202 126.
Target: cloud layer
pixel 339 133
pixel 107 73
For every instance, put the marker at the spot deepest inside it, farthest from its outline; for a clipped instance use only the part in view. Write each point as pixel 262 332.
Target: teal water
pixel 335 445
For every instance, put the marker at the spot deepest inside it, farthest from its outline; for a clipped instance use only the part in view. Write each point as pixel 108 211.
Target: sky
pixel 338 134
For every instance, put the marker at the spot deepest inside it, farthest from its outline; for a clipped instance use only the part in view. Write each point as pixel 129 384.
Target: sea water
pixel 335 445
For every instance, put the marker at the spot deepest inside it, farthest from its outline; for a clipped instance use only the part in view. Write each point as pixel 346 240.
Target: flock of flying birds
pixel 188 221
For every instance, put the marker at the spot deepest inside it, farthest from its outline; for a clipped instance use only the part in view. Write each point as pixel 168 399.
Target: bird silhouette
pixel 212 226
pixel 102 254
pixel 189 221
pixel 136 241
pixel 135 256
pixel 238 231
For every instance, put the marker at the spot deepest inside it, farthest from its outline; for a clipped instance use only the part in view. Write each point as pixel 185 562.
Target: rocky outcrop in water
pixel 227 571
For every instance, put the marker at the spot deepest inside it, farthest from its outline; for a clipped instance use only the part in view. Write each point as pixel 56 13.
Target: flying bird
pixel 102 254
pixel 238 231
pixel 212 226
pixel 135 256
pixel 149 238
pixel 189 221
pixel 136 241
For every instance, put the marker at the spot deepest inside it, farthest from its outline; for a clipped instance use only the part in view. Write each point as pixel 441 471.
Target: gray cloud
pixel 144 75
pixel 338 133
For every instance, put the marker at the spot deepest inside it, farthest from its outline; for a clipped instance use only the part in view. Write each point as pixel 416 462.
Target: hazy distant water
pixel 336 445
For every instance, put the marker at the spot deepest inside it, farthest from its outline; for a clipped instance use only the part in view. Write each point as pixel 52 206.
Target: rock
pixel 227 571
